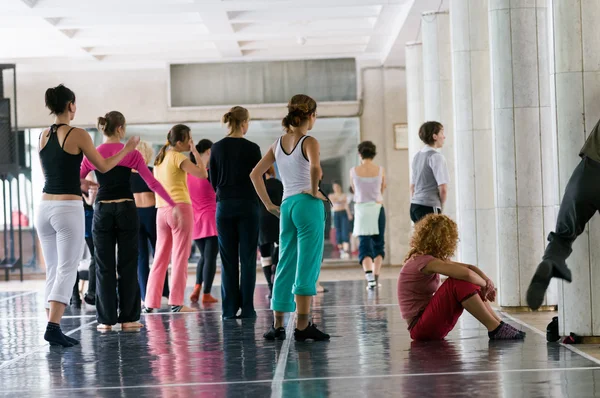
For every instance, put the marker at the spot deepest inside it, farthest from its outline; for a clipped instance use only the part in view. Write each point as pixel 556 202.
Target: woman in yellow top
pixel 173 236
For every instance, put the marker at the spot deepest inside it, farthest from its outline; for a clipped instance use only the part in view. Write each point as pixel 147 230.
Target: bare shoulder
pixel 77 132
pixel 311 140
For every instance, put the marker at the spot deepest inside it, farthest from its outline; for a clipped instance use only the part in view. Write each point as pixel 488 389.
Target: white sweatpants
pixel 61 229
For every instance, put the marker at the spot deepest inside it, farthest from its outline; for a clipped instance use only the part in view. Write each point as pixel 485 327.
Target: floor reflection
pixel 370 354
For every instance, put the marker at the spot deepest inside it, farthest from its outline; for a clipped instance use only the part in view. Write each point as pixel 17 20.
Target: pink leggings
pixel 172 244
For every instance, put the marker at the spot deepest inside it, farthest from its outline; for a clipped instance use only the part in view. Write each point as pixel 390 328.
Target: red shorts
pixel 444 309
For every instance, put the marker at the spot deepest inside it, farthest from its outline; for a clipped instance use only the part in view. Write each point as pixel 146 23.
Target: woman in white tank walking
pixel 368 183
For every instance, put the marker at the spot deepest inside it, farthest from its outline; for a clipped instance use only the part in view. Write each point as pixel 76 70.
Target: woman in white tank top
pixel 368 182
pixel 302 219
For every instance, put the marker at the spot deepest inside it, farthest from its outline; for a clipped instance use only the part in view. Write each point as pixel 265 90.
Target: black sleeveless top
pixel 138 185
pixel 114 184
pixel 61 169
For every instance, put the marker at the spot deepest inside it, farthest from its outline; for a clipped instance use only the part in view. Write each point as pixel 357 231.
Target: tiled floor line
pixel 279 376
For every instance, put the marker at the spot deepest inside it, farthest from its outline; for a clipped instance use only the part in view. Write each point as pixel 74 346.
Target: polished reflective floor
pixel 370 354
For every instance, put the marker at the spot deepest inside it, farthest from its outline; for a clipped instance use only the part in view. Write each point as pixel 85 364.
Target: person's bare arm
pixel 198 171
pixel 347 208
pixel 92 192
pixel 455 271
pixel 383 182
pixel 473 268
pixel 443 190
pixel 489 284
pixel 85 143
pixel 259 182
pixel 313 155
pixel 412 190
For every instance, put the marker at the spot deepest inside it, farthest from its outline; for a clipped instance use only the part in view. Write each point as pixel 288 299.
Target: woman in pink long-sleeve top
pixel 116 224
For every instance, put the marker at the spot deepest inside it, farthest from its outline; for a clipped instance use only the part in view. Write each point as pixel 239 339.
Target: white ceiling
pixel 148 33
pixel 337 136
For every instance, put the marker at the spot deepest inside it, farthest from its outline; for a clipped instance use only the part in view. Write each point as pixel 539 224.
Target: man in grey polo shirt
pixel 429 180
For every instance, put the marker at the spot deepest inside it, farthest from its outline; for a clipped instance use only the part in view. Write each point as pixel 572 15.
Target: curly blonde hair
pixel 435 235
pixel 146 150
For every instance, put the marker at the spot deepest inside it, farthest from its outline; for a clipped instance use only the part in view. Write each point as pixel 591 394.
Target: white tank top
pixel 294 169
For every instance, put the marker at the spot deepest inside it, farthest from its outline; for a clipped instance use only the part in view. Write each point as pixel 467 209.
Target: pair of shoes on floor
pixel 310 333
pixel 207 298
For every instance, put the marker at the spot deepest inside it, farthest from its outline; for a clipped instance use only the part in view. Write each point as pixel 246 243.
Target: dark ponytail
pixel 58 98
pixel 110 122
pixel 202 146
pixel 300 108
pixel 179 132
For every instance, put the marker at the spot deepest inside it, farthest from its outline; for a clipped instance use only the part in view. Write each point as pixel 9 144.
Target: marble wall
pixel 523 163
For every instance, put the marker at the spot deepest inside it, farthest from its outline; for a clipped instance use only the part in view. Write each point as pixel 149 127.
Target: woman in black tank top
pixel 60 219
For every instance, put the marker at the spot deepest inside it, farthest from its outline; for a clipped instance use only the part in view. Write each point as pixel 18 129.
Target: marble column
pixel 575 86
pixel 437 83
pixel 522 131
pixel 472 87
pixel 414 98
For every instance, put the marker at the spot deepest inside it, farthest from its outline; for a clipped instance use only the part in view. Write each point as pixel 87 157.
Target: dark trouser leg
pixel 127 240
pixel 211 249
pixel 143 258
pixel 248 227
pixel 365 248
pixel 75 298
pixel 579 204
pixel 149 223
pixel 337 224
pixel 91 292
pixel 379 240
pixel 105 241
pixel 266 251
pixel 227 229
pixel 200 243
pixel 417 212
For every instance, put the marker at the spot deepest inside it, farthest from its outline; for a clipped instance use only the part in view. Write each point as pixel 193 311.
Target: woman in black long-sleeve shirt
pixel 231 162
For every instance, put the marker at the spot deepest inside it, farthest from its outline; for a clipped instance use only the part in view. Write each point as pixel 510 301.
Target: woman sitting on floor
pixel 432 308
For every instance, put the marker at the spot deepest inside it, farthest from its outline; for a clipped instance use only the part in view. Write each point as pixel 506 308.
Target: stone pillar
pixel 473 131
pixel 437 83
pixel 575 85
pixel 522 130
pixel 414 98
